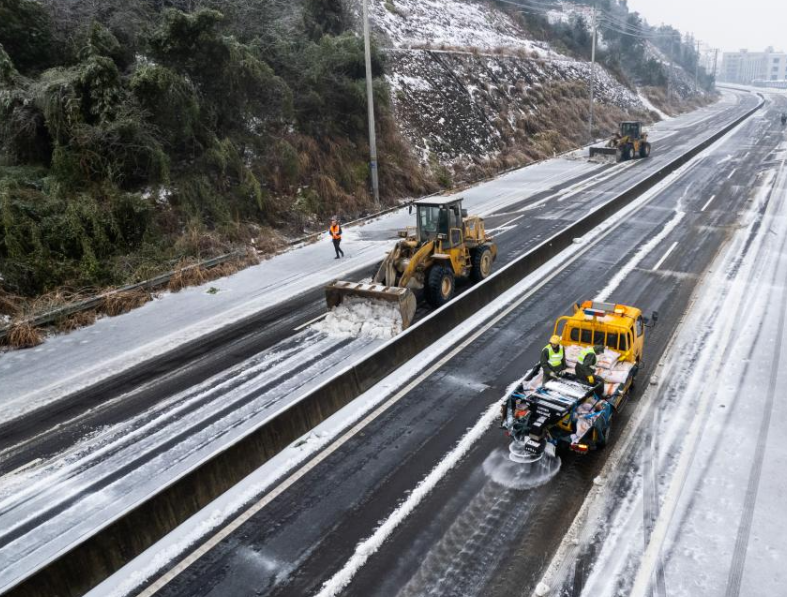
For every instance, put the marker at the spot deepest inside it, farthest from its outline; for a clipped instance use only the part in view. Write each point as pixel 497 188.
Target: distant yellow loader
pixel 445 244
pixel 631 141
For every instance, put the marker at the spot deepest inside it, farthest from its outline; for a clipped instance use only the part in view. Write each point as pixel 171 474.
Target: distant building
pixel 745 67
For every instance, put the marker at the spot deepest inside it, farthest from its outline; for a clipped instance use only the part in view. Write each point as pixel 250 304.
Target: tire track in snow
pixel 115 480
pixel 741 379
pixel 181 409
pixel 453 563
pixel 653 559
pixel 744 527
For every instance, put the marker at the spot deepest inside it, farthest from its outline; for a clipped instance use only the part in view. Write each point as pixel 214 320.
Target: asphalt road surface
pixel 471 535
pixel 107 451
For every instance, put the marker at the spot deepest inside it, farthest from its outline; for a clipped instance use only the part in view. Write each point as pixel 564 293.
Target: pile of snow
pixel 362 317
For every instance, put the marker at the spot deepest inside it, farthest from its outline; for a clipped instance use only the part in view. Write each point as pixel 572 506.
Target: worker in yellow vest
pixel 586 368
pixel 336 236
pixel 553 358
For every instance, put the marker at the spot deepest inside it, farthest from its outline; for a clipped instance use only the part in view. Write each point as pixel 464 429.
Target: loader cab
pixel 631 129
pixel 440 221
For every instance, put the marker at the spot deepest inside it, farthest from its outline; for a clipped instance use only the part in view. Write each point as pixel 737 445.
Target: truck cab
pixel 541 411
pixel 618 327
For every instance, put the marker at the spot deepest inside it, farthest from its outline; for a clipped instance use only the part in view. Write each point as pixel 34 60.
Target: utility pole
pixel 671 73
pixel 697 68
pixel 715 58
pixel 592 71
pixel 370 104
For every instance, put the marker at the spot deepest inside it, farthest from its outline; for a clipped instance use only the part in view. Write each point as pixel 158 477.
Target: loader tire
pixel 482 264
pixel 626 153
pixel 440 286
pixel 644 150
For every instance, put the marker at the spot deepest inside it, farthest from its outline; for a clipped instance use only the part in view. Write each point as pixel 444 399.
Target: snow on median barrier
pixel 357 317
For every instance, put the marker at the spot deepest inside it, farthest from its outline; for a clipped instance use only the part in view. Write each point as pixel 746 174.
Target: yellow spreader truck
pixel 545 412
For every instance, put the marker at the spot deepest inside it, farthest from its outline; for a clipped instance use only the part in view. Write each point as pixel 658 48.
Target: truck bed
pixel 614 372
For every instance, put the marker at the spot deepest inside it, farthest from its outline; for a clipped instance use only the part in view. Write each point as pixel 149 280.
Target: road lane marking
pixel 664 257
pixel 577 187
pixel 311 321
pixel 731 173
pixel 704 207
pixel 505 227
pixel 643 252
pixel 19 469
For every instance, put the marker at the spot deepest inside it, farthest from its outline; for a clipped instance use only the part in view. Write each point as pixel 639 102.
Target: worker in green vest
pixel 553 358
pixel 586 368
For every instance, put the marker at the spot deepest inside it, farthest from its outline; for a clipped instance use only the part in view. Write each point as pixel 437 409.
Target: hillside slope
pixel 474 93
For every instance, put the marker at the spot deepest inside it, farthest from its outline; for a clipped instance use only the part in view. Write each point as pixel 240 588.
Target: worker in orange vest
pixel 336 236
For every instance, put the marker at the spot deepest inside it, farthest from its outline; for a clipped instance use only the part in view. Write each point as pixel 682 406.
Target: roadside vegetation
pixel 135 135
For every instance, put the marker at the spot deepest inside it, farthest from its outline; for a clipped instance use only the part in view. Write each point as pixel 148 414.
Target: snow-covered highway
pixel 68 487
pixel 692 503
pixel 468 535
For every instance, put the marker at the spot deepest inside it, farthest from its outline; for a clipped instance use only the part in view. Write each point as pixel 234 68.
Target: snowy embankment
pixel 452 24
pixel 699 481
pixel 649 105
pixel 467 84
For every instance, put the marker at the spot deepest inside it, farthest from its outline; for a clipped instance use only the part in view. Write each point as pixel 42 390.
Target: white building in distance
pixel 745 67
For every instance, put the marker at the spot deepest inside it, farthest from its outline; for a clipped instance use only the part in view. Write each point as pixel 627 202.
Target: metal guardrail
pixel 78 569
pixel 96 301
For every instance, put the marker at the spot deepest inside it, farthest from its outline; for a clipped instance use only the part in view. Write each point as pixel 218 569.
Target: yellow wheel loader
pixel 631 141
pixel 445 244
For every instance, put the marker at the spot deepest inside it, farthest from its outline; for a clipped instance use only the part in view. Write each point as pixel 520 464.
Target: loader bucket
pixel 604 153
pixel 340 290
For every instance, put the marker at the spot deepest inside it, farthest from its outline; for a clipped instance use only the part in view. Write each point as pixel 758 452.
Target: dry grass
pixel 190 274
pixel 186 274
pixel 10 304
pixel 76 321
pixel 22 335
pixel 675 105
pixel 267 243
pixel 117 303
